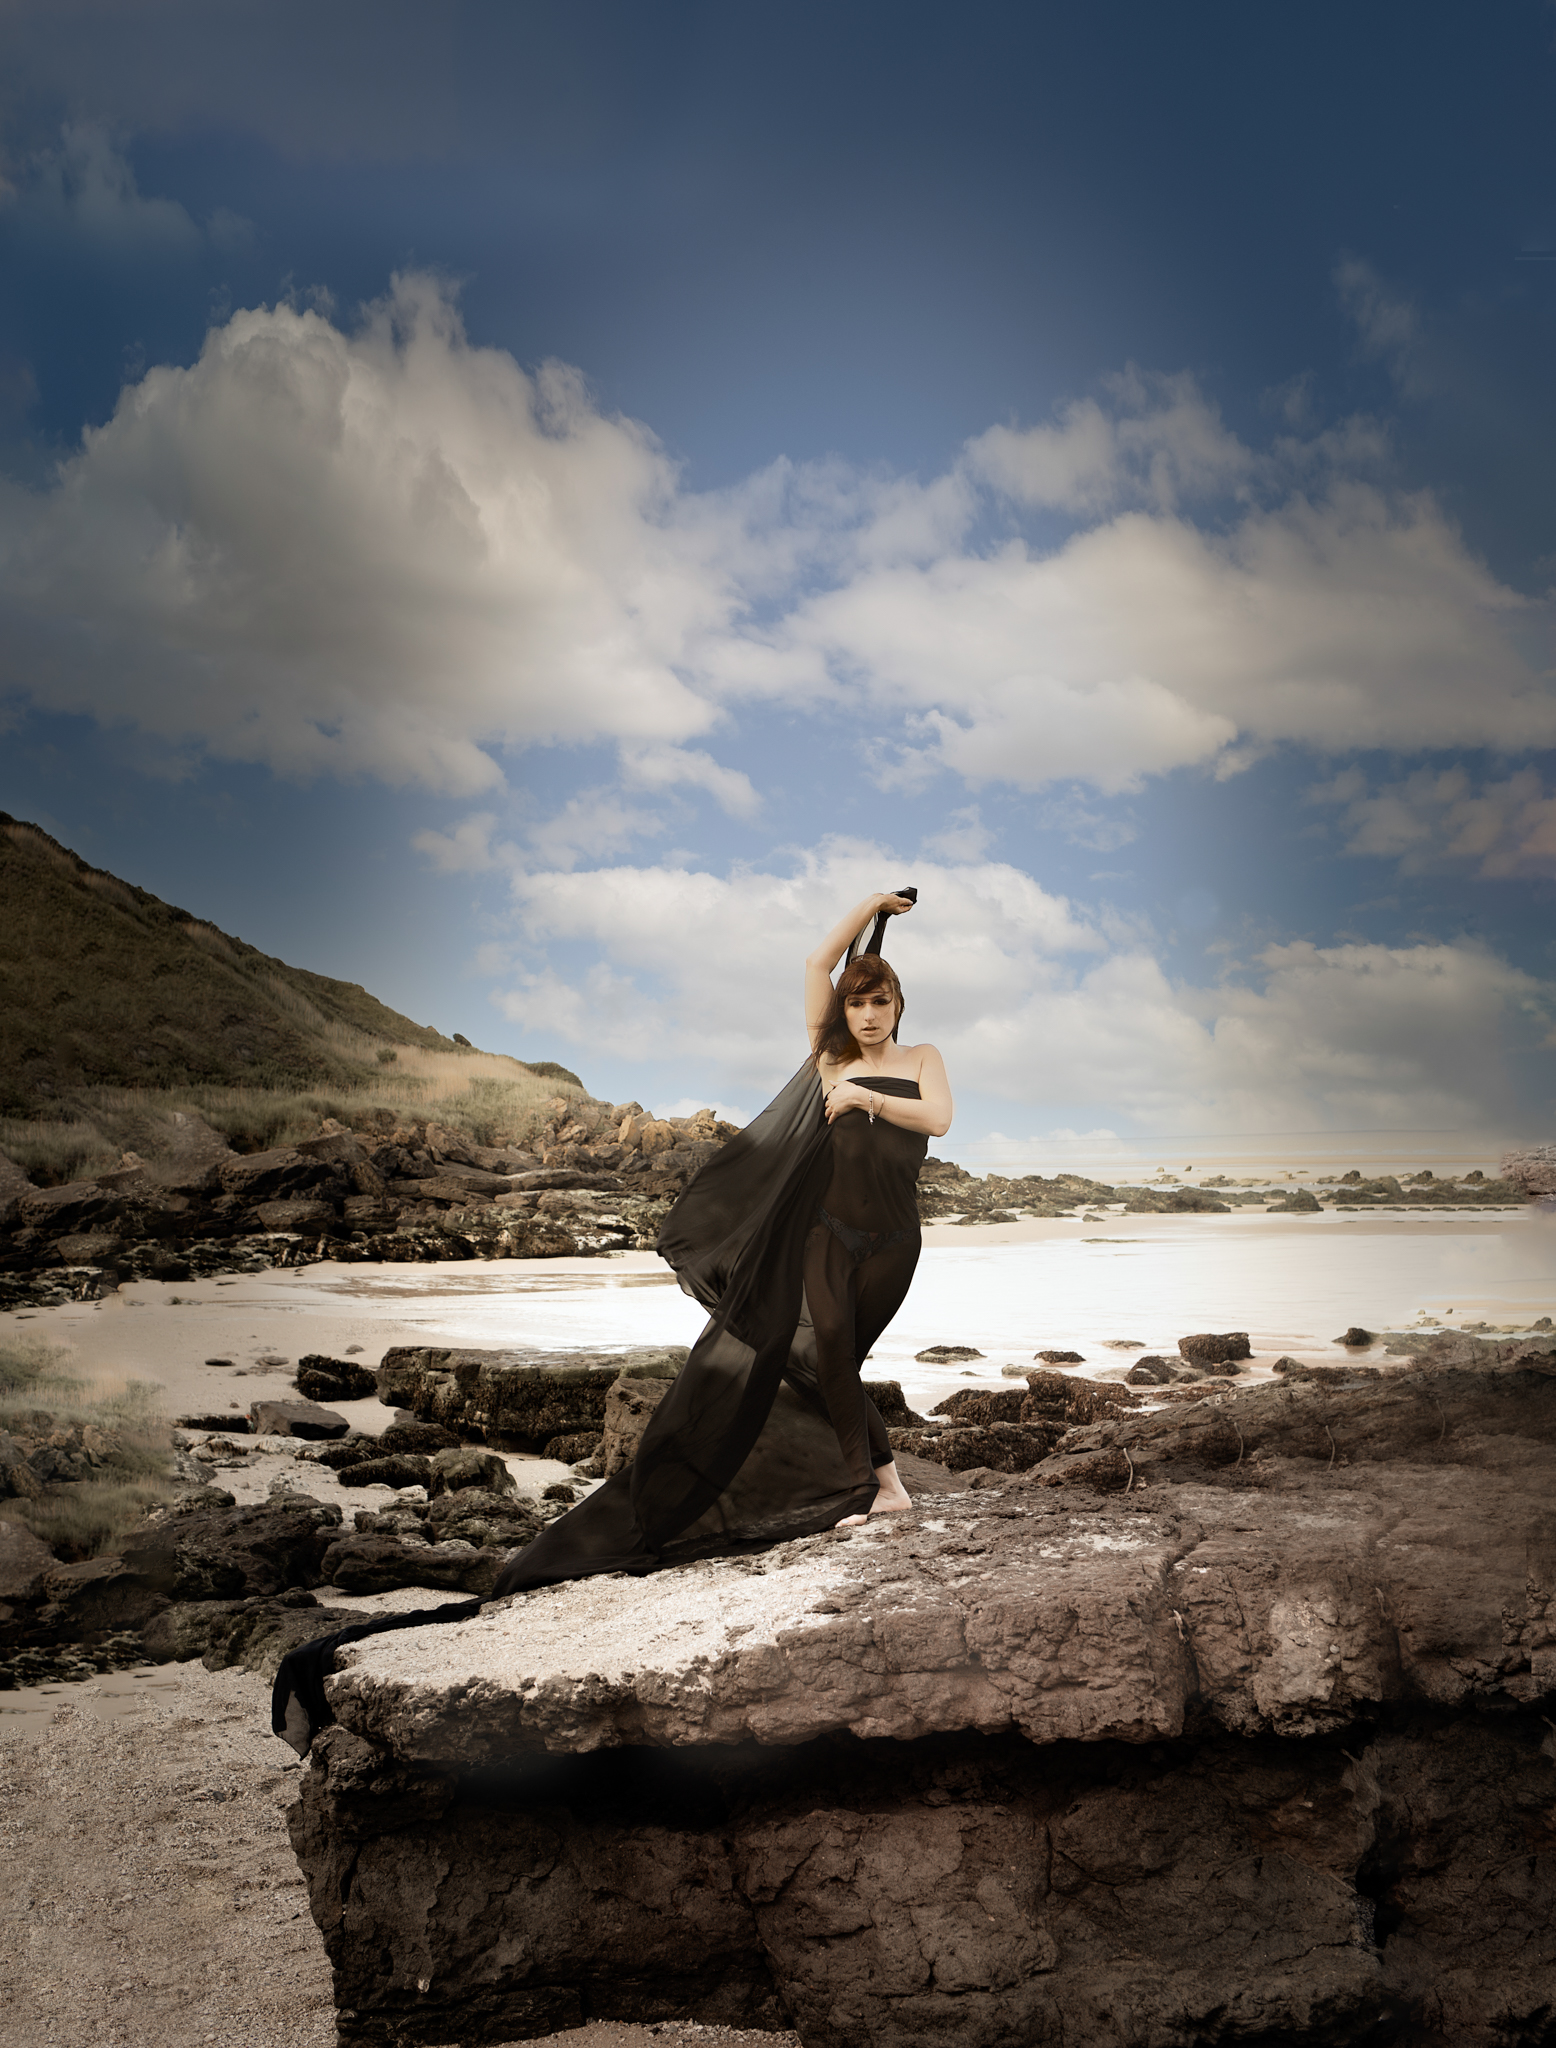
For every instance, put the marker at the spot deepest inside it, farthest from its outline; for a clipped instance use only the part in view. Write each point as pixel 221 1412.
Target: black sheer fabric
pixel 761 1433
pixel 800 1238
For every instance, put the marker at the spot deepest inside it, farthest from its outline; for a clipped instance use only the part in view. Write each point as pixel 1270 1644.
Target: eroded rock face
pixel 968 1889
pixel 1203 1731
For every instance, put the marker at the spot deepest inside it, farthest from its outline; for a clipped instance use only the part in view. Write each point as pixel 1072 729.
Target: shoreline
pixel 1013 1288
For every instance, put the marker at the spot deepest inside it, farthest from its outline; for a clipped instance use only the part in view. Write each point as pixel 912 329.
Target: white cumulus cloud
pixel 373 551
pixel 1028 999
pixel 381 550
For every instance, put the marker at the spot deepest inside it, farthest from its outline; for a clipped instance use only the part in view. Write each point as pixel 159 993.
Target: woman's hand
pixel 849 1095
pixel 899 906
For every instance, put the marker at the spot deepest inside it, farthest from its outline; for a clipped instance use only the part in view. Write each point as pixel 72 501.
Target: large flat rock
pixel 1229 1723
pixel 1012 1611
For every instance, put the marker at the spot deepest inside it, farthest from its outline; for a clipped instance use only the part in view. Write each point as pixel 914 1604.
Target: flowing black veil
pixel 740 1448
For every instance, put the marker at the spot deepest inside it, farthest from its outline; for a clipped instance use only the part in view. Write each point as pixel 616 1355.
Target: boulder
pixel 296 1418
pixel 18 1481
pixel 1060 1357
pixel 1357 1338
pixel 976 1406
pixel 253 1635
pixel 23 1559
pixel 489 1520
pixel 993 1447
pixel 891 1404
pixel 422 1438
pixel 403 1468
pixel 1532 1170
pixel 87 1247
pixel 1212 1353
pixel 79 1206
pixel 579 1449
pixel 1056 1397
pixel 97 1595
pixel 341 1149
pixel 334 1379
pixel 630 1402
pixel 468 1465
pixel 1296 1202
pixel 296 1214
pixel 379 1564
pixel 945 1354
pixel 226 1421
pixel 1151 1371
pixel 343 1452
pixel 284 1174
pixel 217 1553
pixel 513 1400
pixel 14 1183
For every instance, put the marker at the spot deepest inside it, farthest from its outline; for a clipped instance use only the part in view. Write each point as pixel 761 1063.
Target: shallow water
pixel 1294 1283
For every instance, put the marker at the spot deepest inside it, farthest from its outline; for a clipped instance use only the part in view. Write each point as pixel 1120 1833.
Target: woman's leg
pixel 830 1279
pixel 880 1286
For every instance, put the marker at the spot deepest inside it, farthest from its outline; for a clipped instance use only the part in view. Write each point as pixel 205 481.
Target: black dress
pixel 800 1238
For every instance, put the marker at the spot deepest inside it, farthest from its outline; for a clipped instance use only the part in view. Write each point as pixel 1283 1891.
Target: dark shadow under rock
pixel 978 1890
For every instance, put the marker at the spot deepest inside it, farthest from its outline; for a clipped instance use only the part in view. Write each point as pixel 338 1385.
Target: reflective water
pixel 1294 1283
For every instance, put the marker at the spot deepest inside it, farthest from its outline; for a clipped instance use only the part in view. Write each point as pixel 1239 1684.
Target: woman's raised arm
pixel 819 965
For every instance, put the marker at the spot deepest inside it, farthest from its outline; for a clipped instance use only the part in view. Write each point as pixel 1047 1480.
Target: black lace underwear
pixel 862 1244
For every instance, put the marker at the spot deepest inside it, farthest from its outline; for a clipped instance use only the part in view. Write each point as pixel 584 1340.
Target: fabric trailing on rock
pixel 298 1708
pixel 744 1446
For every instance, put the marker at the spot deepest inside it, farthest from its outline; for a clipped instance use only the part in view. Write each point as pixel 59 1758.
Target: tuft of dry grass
pixel 485 1096
pixel 124 1421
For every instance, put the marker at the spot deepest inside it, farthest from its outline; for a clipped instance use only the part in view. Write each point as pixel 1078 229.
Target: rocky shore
pixel 1226 1721
pixel 594 1178
pixel 1188 1710
pixel 601 1179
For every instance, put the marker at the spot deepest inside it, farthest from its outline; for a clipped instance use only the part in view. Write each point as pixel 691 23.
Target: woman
pixel 883 1102
pixel 800 1238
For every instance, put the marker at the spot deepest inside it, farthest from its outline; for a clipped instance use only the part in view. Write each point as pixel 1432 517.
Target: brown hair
pixel 868 972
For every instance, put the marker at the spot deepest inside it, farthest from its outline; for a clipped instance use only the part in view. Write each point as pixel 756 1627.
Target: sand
pixel 148 1891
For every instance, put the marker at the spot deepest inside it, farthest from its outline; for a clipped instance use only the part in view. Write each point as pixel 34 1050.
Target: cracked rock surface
pixel 1239 1738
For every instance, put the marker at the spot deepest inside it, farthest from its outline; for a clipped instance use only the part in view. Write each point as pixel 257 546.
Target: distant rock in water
pixel 1216 1354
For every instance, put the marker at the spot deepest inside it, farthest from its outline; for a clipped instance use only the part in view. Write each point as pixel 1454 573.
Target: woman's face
pixel 871 1016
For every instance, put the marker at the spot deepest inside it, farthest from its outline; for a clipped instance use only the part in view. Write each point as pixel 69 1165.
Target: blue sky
pixel 535 508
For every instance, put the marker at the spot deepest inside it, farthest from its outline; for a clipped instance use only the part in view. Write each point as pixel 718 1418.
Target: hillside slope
pixel 103 984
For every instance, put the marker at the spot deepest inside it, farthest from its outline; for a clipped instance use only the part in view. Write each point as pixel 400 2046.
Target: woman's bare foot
pixel 892 1499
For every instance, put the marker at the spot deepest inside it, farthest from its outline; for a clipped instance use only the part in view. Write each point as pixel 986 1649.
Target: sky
pixel 539 508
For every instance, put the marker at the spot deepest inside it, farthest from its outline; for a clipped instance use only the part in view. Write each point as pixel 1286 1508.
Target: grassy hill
pixel 116 1008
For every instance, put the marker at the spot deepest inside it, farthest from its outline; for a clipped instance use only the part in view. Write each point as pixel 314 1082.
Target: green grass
pixel 87 1517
